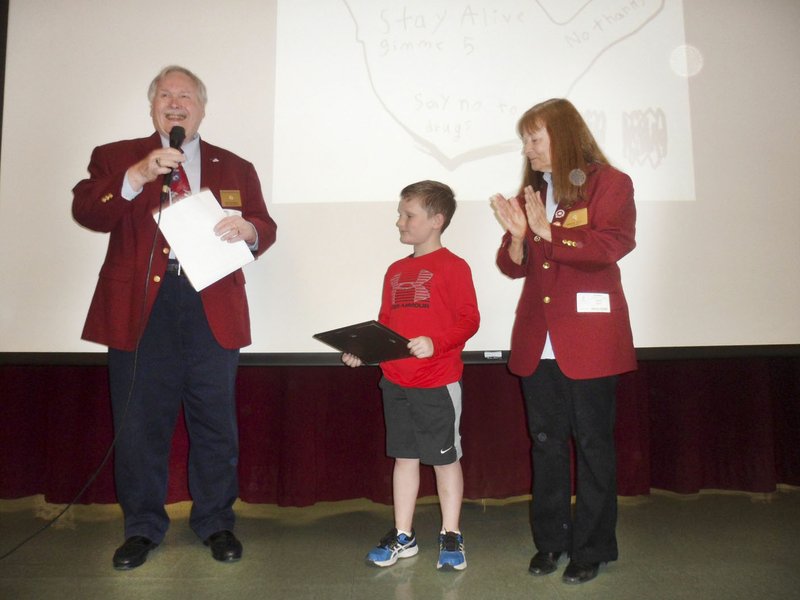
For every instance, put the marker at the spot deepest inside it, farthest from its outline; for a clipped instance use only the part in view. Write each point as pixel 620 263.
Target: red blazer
pixel 588 240
pixel 115 316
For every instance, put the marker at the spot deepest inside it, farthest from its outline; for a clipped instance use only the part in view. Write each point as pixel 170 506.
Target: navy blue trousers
pixel 560 409
pixel 178 363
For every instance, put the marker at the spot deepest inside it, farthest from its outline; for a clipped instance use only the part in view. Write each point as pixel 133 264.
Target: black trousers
pixel 178 363
pixel 559 410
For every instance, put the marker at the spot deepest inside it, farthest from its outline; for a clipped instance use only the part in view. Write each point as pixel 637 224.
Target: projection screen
pixel 341 103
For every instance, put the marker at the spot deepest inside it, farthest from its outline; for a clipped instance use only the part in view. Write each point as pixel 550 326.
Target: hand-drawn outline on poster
pixel 480 62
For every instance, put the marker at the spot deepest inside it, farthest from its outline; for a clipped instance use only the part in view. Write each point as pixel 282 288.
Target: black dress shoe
pixel 544 563
pixel 578 572
pixel 133 552
pixel 224 546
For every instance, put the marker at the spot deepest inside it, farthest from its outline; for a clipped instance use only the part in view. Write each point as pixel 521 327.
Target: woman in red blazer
pixel 572 220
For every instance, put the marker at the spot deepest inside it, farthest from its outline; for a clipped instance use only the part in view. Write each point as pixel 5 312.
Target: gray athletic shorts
pixel 423 423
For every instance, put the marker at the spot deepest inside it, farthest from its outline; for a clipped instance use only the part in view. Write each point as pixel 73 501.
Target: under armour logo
pixel 411 291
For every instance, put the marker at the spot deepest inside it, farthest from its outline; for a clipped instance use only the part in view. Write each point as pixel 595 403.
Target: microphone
pixel 176 136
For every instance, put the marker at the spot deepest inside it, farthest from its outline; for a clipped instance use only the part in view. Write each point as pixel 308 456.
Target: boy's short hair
pixel 436 197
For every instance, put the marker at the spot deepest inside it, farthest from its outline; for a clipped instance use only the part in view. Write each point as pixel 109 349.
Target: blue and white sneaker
pixel 391 547
pixel 451 552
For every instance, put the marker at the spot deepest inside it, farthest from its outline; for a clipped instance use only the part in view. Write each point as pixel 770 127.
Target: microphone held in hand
pixel 176 136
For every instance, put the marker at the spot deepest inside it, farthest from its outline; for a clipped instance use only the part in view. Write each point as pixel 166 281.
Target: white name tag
pixel 593 303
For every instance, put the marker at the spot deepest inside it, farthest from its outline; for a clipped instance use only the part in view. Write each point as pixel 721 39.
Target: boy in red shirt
pixel 429 298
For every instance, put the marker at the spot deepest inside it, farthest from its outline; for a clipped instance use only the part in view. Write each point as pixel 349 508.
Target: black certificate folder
pixel 370 341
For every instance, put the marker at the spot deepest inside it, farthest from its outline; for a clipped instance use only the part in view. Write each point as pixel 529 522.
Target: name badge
pixel 593 303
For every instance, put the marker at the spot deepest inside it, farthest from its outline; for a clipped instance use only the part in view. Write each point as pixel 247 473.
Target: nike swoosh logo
pixel 445 451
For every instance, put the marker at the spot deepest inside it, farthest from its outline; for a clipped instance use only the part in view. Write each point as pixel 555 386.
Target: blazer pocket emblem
pixel 230 198
pixel 576 218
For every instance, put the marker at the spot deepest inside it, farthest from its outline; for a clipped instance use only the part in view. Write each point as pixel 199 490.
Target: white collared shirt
pixel 550 208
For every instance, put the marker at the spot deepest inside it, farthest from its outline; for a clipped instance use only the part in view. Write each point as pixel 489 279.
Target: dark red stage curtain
pixel 311 434
pixel 724 424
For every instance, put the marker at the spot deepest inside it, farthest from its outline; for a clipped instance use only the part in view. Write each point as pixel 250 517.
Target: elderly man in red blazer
pixel 170 346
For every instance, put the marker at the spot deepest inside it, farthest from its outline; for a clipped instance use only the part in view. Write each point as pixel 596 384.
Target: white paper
pixel 188 226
